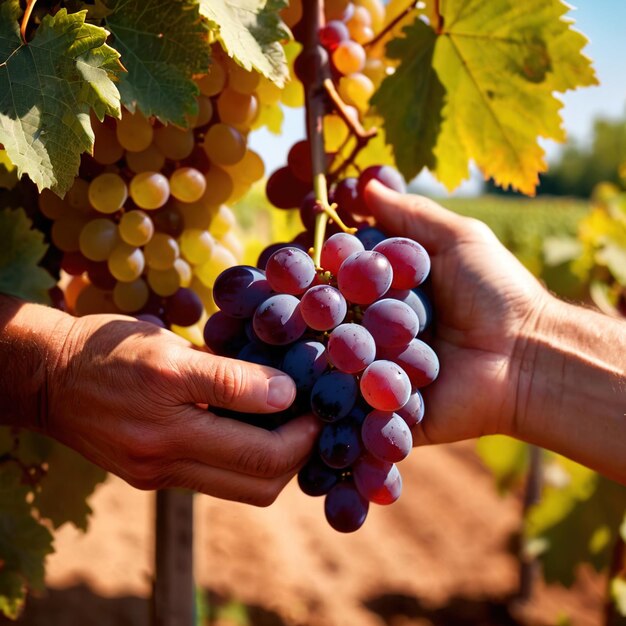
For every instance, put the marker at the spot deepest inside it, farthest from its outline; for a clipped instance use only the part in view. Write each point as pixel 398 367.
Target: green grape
pixel 134 132
pixel 188 184
pixel 204 114
pixel 356 89
pixel 224 145
pixel 204 293
pixel 66 230
pixel 131 297
pixel 221 258
pixel 175 143
pixel 196 245
pixel 241 80
pixel 97 239
pixel 77 198
pixel 222 221
pixel 106 148
pixel 107 193
pixel 93 300
pixel 184 271
pixel 219 186
pixel 214 81
pixel 51 205
pixel 148 160
pixel 250 169
pixel 149 190
pixel 136 228
pixel 236 108
pixel 161 251
pixel 349 57
pixel 126 262
pixel 164 282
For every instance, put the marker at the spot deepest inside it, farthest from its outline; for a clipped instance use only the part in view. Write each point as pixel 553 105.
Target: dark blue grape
pixel 340 443
pixel 370 236
pixel 316 478
pixel 333 395
pixel 345 508
pixel 239 290
pixel 261 354
pixel 225 335
pixel 305 362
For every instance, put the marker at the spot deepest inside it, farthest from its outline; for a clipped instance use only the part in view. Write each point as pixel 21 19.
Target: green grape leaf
pixel 478 84
pixel 21 249
pixel 507 458
pixel 613 255
pixel 163 44
pixel 24 543
pixel 251 32
pixel 47 88
pixel 53 500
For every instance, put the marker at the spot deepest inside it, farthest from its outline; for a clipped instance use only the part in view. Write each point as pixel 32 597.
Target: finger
pixel 413 216
pixel 242 448
pixel 235 385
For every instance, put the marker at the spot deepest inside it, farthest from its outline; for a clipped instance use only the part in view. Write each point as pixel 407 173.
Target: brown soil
pixel 441 555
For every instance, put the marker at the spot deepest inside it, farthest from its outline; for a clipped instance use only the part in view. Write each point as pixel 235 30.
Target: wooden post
pixel 174 593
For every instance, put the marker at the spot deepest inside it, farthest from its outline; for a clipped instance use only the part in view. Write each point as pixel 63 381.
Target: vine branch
pixel 389 27
pixel 27 13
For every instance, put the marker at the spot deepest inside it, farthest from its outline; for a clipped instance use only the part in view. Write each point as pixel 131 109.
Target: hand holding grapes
pixel 514 359
pixel 125 394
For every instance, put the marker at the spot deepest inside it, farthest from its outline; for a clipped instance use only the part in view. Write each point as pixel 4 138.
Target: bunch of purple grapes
pixel 347 335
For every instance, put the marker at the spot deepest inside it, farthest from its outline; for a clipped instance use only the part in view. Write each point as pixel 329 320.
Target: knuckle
pixel 228 382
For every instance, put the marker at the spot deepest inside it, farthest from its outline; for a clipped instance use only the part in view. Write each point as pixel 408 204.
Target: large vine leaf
pixel 477 83
pixel 251 31
pixel 24 543
pixel 163 44
pixel 21 249
pixel 47 88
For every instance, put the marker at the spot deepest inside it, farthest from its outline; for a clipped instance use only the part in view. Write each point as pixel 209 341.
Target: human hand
pixel 486 304
pixel 125 394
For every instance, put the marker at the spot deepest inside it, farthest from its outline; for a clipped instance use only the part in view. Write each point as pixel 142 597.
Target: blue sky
pixel 604 24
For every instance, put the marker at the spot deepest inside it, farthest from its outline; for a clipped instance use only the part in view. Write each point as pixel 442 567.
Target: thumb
pixel 235 385
pixel 413 216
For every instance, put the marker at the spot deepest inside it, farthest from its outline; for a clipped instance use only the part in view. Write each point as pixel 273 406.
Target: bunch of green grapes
pixel 145 229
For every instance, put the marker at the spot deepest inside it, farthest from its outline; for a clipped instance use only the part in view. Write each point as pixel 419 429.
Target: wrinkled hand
pixel 485 304
pixel 125 394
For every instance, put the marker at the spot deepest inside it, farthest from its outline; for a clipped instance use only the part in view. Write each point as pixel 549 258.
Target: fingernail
pixel 281 392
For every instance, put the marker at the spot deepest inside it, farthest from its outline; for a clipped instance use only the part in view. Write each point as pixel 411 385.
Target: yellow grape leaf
pixel 478 84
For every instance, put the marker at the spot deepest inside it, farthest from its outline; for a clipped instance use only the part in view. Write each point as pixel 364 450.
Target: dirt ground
pixel 441 555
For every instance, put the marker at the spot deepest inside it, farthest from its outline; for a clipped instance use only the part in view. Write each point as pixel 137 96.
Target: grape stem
pixel 392 24
pixel 27 13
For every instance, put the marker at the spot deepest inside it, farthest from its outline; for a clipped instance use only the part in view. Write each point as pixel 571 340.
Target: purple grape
pixel 267 252
pixel 417 359
pixel 417 300
pixel 370 237
pixel 409 260
pixel 225 335
pixel 377 481
pixel 305 362
pixel 345 508
pixel 385 386
pixel 323 307
pixel 340 442
pixel 309 210
pixel 239 290
pixel 151 319
pixel 413 411
pixel 364 277
pixel 337 248
pixel 290 270
pixel 351 348
pixel 333 33
pixel 385 175
pixel 386 436
pixel 333 395
pixel 278 321
pixel 261 354
pixel 316 478
pixel 184 308
pixel 391 322
pixel 348 198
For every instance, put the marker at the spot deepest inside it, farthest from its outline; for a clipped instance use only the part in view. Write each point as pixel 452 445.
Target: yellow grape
pixel 188 184
pixel 131 297
pixel 375 70
pixel 205 294
pixel 149 160
pixel 241 80
pixel 77 198
pixel 184 271
pixel 107 192
pixel 71 292
pixel 161 251
pixel 221 259
pixel 196 245
pixel 240 189
pixel 335 132
pixel 236 108
pixel 98 238
pixel 66 230
pixel 126 262
pixel 175 143
pixel 51 205
pixel 136 228
pixel 292 13
pixel 247 171
pixel 219 185
pixel 198 214
pixel 134 132
pixel 267 92
pixel 293 94
pixel 106 148
pixel 204 114
pixel 361 34
pixel 164 282
pixel 92 300
pixel 214 81
pixel 356 89
pixel 224 145
pixel 349 57
pixel 233 243
pixel 271 116
pixel 149 190
pixel 376 11
pixel 222 221
pixel 360 17
pixel 193 334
